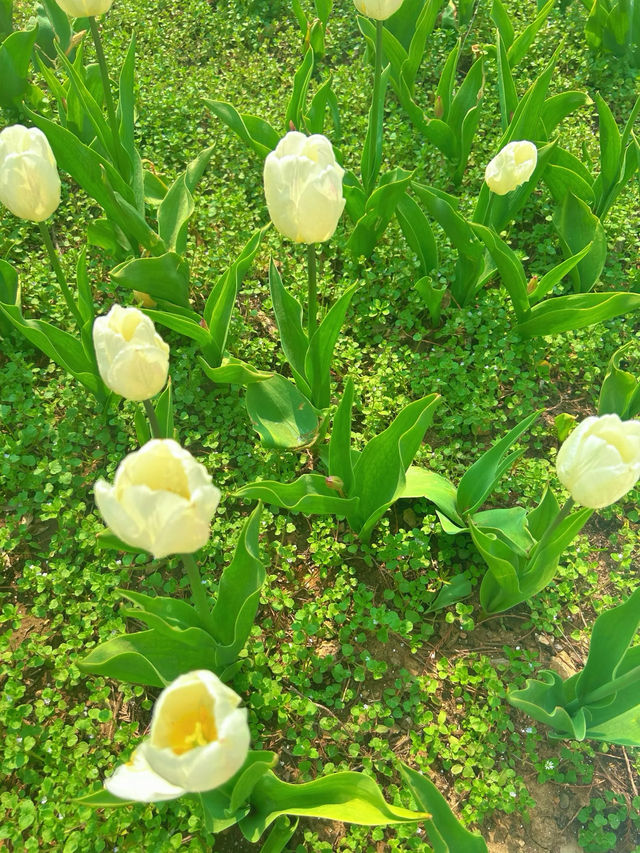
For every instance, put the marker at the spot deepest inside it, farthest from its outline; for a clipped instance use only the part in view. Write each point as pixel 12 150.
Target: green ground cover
pixel 349 670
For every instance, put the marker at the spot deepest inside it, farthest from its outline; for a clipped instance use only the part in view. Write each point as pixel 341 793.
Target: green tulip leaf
pixel 348 797
pixel 293 338
pixel 563 313
pixel 420 483
pixel 253 131
pixel 15 57
pixel 620 390
pixel 282 416
pixel 309 494
pixel 234 372
pixel 239 593
pixel 163 277
pixel 446 833
pixel 379 210
pixel 340 462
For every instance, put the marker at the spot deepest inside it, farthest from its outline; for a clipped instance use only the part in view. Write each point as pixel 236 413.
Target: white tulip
pixel 162 500
pixel 600 461
pixel 85 8
pixel 29 180
pixel 133 360
pixel 199 739
pixel 303 188
pixel 378 9
pixel 512 166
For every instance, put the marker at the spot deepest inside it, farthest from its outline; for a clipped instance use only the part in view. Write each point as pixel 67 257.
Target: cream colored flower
pixel 162 500
pixel 199 739
pixel 378 9
pixel 29 180
pixel 133 360
pixel 600 461
pixel 303 188
pixel 512 166
pixel 85 8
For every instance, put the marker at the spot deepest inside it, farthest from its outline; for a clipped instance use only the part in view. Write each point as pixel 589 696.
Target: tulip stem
pixel 108 99
pixel 375 128
pixel 60 276
pixel 198 592
pixel 154 423
pixel 312 292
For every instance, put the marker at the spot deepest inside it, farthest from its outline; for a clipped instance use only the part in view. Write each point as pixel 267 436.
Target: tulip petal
pixel 136 781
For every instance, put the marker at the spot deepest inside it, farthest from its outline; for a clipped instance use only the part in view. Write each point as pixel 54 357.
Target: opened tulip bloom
pixel 303 188
pixel 29 180
pixel 511 167
pixel 380 10
pixel 199 739
pixel 85 8
pixel 600 461
pixel 162 500
pixel 133 360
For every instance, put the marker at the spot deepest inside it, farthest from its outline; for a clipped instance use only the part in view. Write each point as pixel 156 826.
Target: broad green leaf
pixel 164 411
pixel 242 784
pixel 85 296
pixel 282 831
pixel 558 107
pixel 282 416
pixel 420 483
pixel 253 131
pixel 301 80
pixel 293 338
pixel 418 233
pixel 543 699
pixel 147 657
pixel 611 637
pixel 219 305
pixel 372 147
pixel 234 372
pixel 323 98
pixel 446 833
pixel 509 525
pixel 562 313
pixel 379 473
pixel 187 326
pixel 523 41
pixel 15 56
pixel 500 587
pixel 61 347
pixel 444 89
pixel 317 363
pixel 433 297
pixel 548 281
pixel 175 612
pixel 164 277
pixel 309 494
pixel 620 391
pixel 102 799
pixel 463 113
pixel 540 518
pixel 509 266
pixel 501 19
pixel 577 227
pixel 340 460
pixel 239 593
pixel 126 121
pixel 346 796
pixel 6 18
pixel 379 210
pixel 9 293
pixel 526 119
pixel 506 87
pixel 423 28
pixel 478 482
pixel 177 207
pixel 562 181
pixel 610 146
pixel 453 590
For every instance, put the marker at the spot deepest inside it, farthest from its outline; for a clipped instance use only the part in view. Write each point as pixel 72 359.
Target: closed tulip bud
pixel 85 8
pixel 199 739
pixel 29 180
pixel 380 10
pixel 133 360
pixel 162 500
pixel 303 188
pixel 600 460
pixel 512 166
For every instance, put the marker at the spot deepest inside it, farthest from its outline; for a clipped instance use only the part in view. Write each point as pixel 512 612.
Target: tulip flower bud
pixel 199 739
pixel 512 166
pixel 29 180
pixel 380 10
pixel 85 8
pixel 336 483
pixel 303 188
pixel 162 500
pixel 133 360
pixel 600 460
